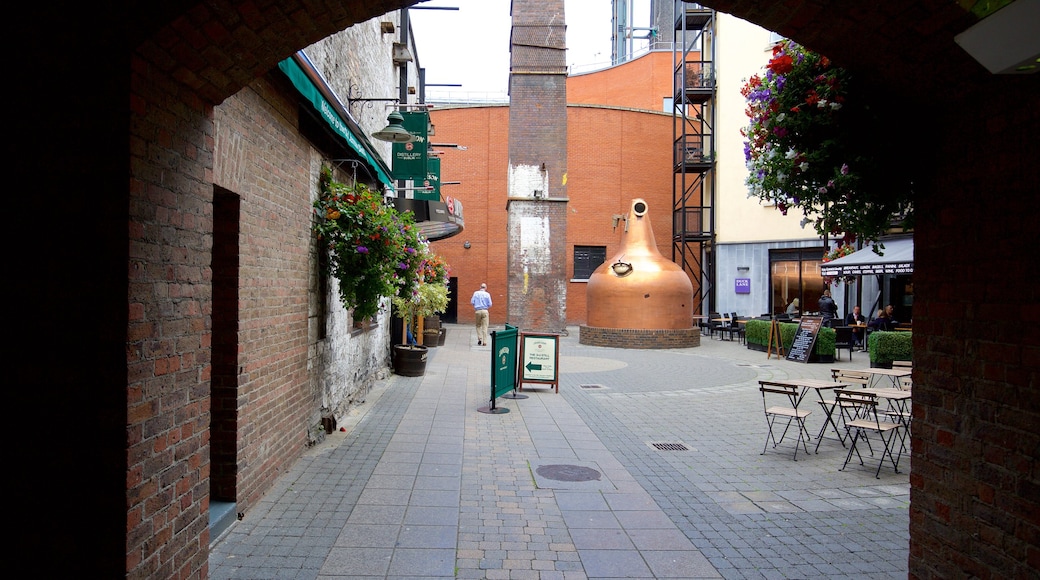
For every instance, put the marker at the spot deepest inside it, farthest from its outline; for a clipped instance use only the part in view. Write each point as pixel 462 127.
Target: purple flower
pixel 844 168
pixel 362 250
pixel 402 265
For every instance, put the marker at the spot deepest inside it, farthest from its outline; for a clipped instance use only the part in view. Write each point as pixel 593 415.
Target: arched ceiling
pixel 218 46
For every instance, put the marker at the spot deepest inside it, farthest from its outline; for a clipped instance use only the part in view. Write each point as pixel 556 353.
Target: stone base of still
pixel 640 338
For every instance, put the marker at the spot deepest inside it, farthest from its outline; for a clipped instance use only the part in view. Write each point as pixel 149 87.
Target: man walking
pixel 481 301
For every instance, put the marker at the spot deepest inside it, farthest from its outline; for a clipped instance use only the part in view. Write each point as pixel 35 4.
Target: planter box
pixel 813 358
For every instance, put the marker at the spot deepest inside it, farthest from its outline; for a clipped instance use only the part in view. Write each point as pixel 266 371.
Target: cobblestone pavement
pixel 647 464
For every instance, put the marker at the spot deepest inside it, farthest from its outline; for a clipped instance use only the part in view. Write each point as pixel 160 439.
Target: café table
pixel 893 374
pixel 862 335
pixel 828 407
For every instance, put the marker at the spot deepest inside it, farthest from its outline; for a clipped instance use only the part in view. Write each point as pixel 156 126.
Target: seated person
pixel 856 317
pixel 792 309
pixel 881 322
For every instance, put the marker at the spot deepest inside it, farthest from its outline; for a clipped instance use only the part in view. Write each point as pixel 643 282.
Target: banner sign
pixel 409 159
pixel 433 178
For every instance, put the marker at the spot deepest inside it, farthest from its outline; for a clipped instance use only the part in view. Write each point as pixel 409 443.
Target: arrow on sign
pixel 533 367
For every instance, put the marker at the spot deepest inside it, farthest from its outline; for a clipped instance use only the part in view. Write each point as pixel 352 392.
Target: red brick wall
pixel 270 167
pixel 975 490
pixel 605 172
pixel 168 336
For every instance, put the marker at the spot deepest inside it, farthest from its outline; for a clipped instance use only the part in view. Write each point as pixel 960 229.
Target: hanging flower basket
pixel 374 251
pixel 839 252
pixel 813 143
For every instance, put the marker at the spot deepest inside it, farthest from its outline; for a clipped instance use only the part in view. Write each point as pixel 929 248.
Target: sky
pixel 470 46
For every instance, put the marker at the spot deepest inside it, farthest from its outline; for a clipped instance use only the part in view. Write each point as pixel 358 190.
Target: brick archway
pixel 122 211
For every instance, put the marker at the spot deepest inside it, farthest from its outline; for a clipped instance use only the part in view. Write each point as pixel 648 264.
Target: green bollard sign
pixel 503 366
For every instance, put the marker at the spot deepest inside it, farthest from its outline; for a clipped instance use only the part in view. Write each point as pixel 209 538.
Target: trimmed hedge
pixel 886 347
pixel 756 332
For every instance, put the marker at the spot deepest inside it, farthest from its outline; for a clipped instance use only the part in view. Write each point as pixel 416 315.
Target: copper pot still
pixel 638 288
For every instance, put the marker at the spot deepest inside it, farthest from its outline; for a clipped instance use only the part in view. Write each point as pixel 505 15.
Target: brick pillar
pixel 537 206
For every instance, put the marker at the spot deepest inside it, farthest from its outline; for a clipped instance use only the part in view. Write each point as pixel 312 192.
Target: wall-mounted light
pixel 466 245
pixel 743 268
pixel 394 132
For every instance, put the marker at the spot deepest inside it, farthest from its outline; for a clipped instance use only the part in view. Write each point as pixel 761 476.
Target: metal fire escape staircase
pixel 693 157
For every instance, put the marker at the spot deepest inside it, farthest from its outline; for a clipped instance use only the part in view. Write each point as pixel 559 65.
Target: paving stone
pixel 426 485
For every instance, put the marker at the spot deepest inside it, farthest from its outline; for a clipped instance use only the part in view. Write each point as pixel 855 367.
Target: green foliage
pixel 374 251
pixel 757 332
pixel 429 298
pixel 886 347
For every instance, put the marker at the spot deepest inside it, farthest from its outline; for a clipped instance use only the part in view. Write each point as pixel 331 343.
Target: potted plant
pixel 885 347
pixel 428 297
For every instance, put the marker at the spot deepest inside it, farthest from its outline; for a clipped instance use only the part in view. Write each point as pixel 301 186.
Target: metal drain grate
pixel 591 386
pixel 669 446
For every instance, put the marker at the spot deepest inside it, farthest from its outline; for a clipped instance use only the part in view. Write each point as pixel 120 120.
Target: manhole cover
pixel 568 473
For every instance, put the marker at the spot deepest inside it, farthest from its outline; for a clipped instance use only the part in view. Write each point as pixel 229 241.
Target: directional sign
pixel 538 356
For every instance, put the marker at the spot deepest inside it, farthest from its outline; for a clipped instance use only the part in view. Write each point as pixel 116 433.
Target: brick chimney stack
pixel 537 206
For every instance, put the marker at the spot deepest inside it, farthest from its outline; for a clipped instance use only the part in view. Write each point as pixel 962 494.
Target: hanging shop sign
pixel 410 159
pixel 433 179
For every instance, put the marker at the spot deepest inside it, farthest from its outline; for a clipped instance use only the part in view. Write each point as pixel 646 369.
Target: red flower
pixel 782 64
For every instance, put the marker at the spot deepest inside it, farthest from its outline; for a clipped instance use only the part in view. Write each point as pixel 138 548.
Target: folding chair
pixel 789 397
pixel 834 411
pixel 858 378
pixel 862 418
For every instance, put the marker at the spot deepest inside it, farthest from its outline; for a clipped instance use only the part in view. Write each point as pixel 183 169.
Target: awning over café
pixel 897 258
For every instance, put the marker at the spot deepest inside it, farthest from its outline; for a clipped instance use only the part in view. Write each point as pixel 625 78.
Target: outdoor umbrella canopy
pixel 897 258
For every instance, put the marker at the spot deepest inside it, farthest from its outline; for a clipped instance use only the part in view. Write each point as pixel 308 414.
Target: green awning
pixel 336 122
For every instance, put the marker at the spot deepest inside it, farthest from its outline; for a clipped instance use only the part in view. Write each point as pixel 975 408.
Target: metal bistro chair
pixel 843 339
pixel 863 418
pixel 735 327
pixel 713 323
pixel 788 398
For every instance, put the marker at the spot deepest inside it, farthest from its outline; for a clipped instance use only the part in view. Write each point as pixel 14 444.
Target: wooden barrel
pixel 410 360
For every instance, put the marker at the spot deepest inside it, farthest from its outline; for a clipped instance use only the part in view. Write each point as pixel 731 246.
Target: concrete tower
pixel 537 206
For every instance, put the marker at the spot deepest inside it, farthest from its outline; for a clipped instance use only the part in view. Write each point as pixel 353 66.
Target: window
pixel 587 259
pixel 795 274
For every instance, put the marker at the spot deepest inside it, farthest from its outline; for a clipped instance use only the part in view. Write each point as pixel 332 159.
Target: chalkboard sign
pixel 805 338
